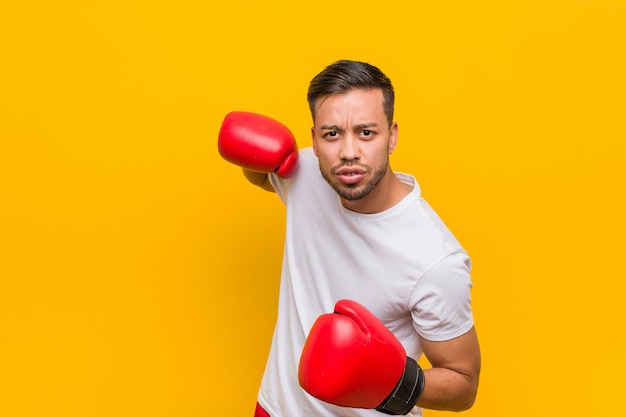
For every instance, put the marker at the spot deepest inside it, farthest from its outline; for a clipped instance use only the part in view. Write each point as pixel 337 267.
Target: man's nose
pixel 350 148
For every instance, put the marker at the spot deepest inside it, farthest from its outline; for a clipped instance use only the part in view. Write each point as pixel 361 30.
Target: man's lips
pixel 350 175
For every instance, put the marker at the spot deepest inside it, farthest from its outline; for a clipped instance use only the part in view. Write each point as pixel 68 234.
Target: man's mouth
pixel 350 174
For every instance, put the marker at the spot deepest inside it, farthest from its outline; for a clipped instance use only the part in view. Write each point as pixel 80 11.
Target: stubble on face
pixel 358 191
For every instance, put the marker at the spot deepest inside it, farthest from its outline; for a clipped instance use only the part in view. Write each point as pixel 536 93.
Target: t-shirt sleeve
pixel 281 186
pixel 441 299
pixel 307 164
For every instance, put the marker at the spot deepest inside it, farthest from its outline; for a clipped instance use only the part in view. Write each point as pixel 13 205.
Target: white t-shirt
pixel 402 264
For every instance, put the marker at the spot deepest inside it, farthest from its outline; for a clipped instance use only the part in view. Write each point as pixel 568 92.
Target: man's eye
pixel 367 134
pixel 331 135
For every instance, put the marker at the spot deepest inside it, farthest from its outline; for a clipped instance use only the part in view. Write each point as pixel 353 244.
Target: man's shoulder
pixel 307 154
pixel 307 162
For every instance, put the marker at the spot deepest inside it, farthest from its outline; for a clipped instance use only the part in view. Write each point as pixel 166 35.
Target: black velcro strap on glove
pixel 404 396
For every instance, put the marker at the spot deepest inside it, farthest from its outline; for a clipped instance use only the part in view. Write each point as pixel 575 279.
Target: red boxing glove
pixel 258 143
pixel 351 359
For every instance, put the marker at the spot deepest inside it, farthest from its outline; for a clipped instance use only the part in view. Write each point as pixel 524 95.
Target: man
pixel 357 231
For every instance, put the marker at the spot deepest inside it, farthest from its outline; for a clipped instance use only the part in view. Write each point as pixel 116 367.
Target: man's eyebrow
pixel 358 126
pixel 364 125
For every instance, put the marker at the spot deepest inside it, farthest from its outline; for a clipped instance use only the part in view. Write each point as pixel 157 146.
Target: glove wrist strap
pixel 407 391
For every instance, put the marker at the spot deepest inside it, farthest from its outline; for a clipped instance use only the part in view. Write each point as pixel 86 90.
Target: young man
pixel 357 231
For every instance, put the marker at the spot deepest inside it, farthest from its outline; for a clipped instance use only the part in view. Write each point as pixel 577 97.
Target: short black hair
pixel 345 75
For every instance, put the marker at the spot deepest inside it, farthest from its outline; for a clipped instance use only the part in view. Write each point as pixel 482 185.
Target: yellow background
pixel 139 271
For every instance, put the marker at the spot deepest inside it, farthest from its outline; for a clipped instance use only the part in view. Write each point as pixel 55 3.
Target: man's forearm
pixel 259 179
pixel 448 390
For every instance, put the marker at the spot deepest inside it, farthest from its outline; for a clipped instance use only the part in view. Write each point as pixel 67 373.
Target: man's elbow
pixel 467 402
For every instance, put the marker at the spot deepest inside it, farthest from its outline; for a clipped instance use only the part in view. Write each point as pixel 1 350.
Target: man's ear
pixel 313 140
pixel 393 137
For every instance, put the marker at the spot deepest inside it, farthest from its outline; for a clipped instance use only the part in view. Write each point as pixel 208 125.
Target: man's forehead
pixel 368 103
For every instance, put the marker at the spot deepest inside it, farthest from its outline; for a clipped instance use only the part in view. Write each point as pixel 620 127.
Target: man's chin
pixel 351 193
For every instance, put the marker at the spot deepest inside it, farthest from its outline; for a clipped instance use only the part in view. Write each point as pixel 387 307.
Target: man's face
pixel 352 140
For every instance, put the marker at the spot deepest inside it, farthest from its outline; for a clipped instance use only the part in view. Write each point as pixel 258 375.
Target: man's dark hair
pixel 345 75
